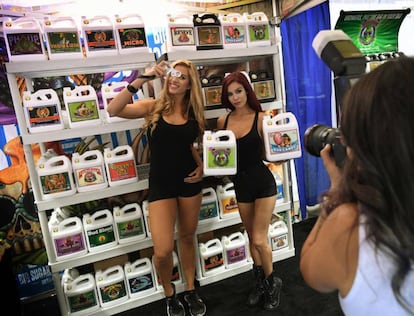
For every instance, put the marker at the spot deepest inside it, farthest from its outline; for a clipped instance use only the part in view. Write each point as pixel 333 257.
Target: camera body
pixel 318 135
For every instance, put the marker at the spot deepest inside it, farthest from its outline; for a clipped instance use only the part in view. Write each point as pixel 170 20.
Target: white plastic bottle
pixel 219 153
pixel 281 137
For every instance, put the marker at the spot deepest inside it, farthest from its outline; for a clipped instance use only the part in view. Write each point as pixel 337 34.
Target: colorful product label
pixel 213 262
pixel 130 228
pixel 234 34
pixel 282 142
pixel 101 236
pixel 122 170
pixel 182 36
pixel 99 40
pixel 83 111
pixel 69 244
pixel 221 157
pixel 235 255
pixel 229 205
pixel 25 44
pixel 112 291
pixel 141 283
pixel 264 89
pixel 82 301
pixel 258 32
pixel 43 115
pixel 63 42
pixel 212 95
pixel 209 36
pixel 90 176
pixel 132 37
pixel 208 210
pixel 278 242
pixel 55 183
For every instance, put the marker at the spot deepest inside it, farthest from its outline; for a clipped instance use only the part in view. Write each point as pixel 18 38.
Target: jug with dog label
pixel 281 137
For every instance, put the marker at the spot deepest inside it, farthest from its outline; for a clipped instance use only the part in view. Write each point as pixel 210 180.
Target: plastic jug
pixel 207 31
pixel 108 92
pixel 281 137
pixel 81 295
pixel 99 36
pixel 111 286
pixel 139 276
pixel 258 29
pixel 99 230
pixel 62 37
pixel 120 165
pixel 180 33
pixel 129 223
pixel 55 177
pixel 130 34
pixel 42 110
pixel 278 235
pixel 209 211
pixel 82 106
pixel 233 30
pixel 219 153
pixel 226 197
pixel 212 257
pixel 89 170
pixel 68 238
pixel 24 40
pixel 235 251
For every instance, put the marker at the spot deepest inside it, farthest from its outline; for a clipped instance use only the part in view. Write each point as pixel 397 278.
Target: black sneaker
pixel 196 305
pixel 174 306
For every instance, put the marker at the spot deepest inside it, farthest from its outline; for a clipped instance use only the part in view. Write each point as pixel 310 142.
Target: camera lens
pixel 316 137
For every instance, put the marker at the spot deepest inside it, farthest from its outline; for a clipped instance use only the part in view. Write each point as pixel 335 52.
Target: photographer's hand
pixel 332 169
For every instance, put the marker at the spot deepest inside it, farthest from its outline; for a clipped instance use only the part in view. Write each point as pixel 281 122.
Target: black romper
pixel 253 179
pixel 172 160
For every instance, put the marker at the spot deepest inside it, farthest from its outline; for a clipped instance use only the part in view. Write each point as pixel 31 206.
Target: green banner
pixel 373 32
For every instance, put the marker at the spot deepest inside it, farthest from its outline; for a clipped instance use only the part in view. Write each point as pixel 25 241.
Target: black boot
pixel 257 294
pixel 272 285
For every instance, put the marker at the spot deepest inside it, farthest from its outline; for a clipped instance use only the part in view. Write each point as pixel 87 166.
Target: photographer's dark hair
pixel 377 123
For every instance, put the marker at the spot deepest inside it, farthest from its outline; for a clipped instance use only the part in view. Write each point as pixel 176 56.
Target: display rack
pixel 40 69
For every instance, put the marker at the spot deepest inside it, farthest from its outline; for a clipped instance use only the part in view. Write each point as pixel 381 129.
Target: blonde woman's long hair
pixel 193 100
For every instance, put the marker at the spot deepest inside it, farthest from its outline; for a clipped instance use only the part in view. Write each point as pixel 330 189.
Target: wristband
pixel 146 76
pixel 132 89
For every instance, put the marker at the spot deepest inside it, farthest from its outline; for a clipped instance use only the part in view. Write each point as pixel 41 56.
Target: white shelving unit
pixel 40 69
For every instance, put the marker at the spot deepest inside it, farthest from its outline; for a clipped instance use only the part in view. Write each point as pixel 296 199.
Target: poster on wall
pixel 374 31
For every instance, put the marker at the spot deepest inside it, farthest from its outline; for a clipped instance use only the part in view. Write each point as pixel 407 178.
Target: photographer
pixel 362 243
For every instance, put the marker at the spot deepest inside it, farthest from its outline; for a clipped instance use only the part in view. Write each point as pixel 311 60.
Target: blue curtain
pixel 308 86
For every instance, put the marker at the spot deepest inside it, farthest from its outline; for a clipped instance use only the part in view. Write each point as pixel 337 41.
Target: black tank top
pixel 249 147
pixel 170 147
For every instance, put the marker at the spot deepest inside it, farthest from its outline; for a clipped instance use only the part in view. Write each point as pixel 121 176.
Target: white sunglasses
pixel 173 72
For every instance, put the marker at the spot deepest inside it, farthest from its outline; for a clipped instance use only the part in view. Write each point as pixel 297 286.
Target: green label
pixel 130 228
pixel 101 236
pixel 83 111
pixel 221 157
pixel 82 301
pixel 63 42
pixel 112 292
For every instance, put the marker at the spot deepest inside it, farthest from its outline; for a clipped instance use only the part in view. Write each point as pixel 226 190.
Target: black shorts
pixel 160 189
pixel 254 183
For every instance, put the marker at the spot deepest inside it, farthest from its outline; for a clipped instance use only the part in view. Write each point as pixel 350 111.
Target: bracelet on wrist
pixel 147 76
pixel 132 89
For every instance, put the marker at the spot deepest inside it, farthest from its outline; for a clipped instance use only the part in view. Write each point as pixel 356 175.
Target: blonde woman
pixel 175 121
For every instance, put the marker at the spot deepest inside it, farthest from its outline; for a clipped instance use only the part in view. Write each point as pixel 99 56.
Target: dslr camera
pixel 319 135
